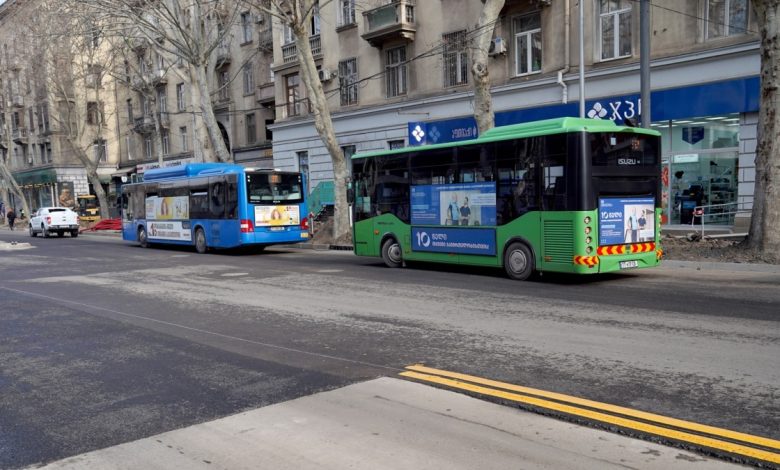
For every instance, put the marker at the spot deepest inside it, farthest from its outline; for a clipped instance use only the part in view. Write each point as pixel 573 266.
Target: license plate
pixel 629 264
pixel 278 229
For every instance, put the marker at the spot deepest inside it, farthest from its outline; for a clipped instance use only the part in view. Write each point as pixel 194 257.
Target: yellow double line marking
pixel 733 442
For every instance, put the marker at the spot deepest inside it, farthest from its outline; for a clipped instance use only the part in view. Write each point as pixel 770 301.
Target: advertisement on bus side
pixel 626 220
pixel 277 216
pixel 167 208
pixel 462 205
pixel 177 231
pixel 473 241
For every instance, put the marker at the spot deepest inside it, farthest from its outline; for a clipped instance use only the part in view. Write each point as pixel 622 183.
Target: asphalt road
pixel 103 342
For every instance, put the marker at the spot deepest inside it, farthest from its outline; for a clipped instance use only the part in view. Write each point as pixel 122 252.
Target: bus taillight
pixel 305 223
pixel 246 226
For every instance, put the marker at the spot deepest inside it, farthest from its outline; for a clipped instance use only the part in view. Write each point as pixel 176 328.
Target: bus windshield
pixel 613 149
pixel 273 188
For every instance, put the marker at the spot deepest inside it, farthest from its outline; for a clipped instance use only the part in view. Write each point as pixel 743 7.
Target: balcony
pixel 390 23
pixel 265 40
pixel 222 56
pixel 265 92
pixel 290 51
pixel 19 135
pixel 143 125
pixel 17 101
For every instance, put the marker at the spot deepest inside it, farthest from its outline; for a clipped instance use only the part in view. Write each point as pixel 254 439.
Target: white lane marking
pixel 234 274
pixel 330 271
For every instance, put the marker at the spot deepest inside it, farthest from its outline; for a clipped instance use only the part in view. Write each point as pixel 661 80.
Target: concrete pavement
pixel 388 424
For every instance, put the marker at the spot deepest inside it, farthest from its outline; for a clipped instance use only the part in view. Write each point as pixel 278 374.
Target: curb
pixel 320 246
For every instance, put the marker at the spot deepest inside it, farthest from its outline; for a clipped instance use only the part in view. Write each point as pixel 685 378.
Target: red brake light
pixel 247 226
pixel 305 223
pixel 48 220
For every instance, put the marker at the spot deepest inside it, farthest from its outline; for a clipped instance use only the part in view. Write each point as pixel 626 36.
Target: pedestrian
pixel 11 216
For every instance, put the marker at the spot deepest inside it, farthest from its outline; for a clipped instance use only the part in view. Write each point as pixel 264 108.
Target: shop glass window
pixel 715 132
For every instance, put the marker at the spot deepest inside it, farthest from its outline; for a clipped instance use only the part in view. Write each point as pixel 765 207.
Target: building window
pixel 251 129
pixel 348 82
pixel 395 144
pixel 146 107
pixel 130 111
pixel 45 117
pixel 292 84
pixel 249 79
pixel 528 44
pixel 48 152
pixel 346 12
pixel 93 113
pixel 180 97
pixel 615 28
pixel 100 150
pixel 148 147
pixel 94 75
pixel 31 119
pixel 165 139
pixel 223 80
pixel 129 145
pixel 141 63
pixel 456 59
pixel 184 139
pixel 314 27
pixel 162 100
pixel 288 37
pixel 726 18
pixel 303 165
pixel 395 71
pixel 246 27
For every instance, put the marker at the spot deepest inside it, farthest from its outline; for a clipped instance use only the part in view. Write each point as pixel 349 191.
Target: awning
pixel 123 171
pixel 25 178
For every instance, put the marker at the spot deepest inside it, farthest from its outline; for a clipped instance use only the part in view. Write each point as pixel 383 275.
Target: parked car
pixel 48 220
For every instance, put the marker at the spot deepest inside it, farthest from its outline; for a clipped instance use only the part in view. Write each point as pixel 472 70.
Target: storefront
pixel 705 159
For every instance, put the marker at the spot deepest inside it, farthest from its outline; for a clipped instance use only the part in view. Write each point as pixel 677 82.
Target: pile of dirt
pixel 694 248
pixel 323 235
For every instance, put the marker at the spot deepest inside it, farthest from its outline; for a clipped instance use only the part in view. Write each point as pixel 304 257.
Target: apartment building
pixel 397 73
pixel 161 109
pixel 41 149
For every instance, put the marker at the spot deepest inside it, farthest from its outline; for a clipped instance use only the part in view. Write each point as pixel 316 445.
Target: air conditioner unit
pixel 30 159
pixel 497 47
pixel 259 18
pixel 325 75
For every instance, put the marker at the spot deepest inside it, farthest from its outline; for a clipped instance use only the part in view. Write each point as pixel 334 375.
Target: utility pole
pixel 644 63
pixel 582 58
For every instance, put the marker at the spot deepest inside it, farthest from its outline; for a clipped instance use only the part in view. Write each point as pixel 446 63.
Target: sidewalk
pixel 388 424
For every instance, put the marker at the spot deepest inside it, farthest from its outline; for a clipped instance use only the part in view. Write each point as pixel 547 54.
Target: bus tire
pixel 200 241
pixel 391 253
pixel 519 261
pixel 143 240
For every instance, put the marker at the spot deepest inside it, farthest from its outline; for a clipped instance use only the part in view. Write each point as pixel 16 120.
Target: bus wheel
pixel 519 261
pixel 142 239
pixel 391 253
pixel 200 241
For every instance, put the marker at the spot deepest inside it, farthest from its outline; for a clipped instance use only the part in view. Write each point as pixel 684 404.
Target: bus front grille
pixel 558 241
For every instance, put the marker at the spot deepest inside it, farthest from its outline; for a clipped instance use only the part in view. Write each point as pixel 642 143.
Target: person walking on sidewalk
pixel 11 216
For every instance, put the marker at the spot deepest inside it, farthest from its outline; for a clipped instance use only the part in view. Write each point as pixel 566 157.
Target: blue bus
pixel 215 205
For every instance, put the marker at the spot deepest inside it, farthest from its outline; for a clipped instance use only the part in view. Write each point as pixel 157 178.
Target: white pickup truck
pixel 48 220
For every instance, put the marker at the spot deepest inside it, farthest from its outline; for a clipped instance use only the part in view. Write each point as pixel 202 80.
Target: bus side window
pixel 231 206
pixel 392 187
pixel 199 199
pixel 127 205
pixel 139 203
pixel 554 167
pixel 216 198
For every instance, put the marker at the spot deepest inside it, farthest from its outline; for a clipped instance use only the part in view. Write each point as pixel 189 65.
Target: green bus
pixel 563 195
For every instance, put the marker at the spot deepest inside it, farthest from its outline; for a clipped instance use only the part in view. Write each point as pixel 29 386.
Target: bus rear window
pixel 273 188
pixel 624 150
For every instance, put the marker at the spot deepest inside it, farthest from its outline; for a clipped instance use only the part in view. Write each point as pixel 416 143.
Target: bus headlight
pixel 587 219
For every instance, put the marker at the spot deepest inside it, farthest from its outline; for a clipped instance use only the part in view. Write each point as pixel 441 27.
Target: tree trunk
pixel 207 112
pixel 483 102
pixel 92 176
pixel 14 188
pixel 765 222
pixel 324 125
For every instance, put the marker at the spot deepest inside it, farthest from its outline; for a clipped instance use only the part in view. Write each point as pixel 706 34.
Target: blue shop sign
pixel 711 99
